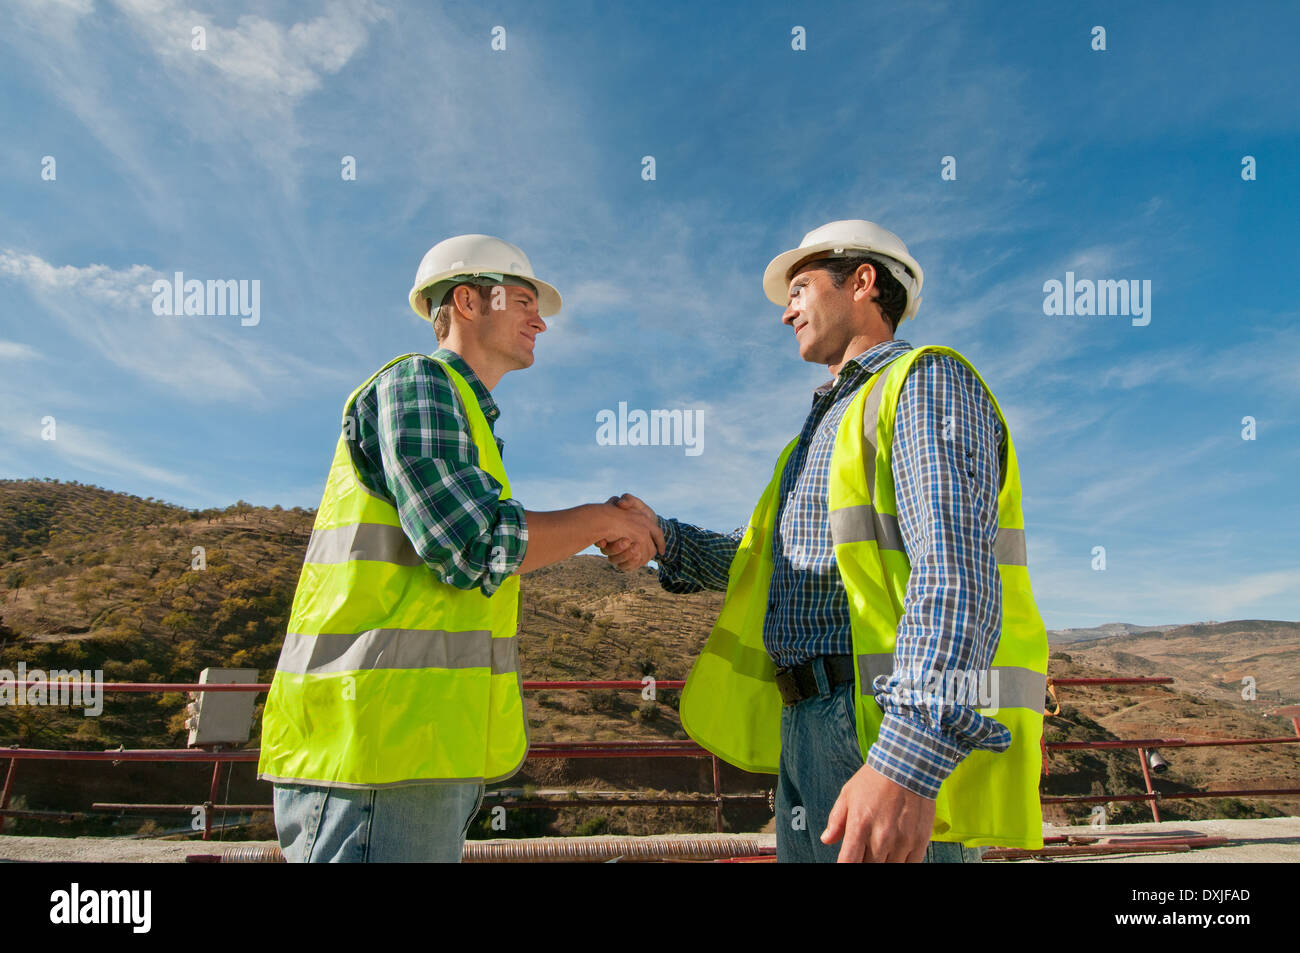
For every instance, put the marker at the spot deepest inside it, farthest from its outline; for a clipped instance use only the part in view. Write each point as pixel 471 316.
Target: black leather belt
pixel 800 682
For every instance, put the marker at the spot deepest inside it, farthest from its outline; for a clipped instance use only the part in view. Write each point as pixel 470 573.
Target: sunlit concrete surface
pixel 1274 839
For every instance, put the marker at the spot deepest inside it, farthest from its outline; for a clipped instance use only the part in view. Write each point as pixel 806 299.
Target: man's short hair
pixel 891 296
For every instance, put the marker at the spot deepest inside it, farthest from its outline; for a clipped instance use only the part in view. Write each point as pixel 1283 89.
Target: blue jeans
pixel 410 823
pixel 819 753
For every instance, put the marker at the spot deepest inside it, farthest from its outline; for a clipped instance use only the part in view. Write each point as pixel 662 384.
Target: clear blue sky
pixel 225 163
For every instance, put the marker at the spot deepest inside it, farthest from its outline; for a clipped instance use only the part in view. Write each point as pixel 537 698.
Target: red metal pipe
pixel 580 753
pixel 262 687
pixel 208 807
pixel 703 800
pixel 73 815
pixel 1172 743
pixel 4 797
pixel 168 808
pixel 1232 792
pixel 1146 775
pixel 1012 853
pixel 1194 840
pixel 160 686
pixel 644 743
pixel 617 749
pixel 1229 742
pixel 145 754
pixel 1136 680
pixel 717 794
pixel 1134 743
pixel 614 684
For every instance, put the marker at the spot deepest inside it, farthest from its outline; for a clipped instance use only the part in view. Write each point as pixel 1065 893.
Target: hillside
pixel 1101 713
pixel 1062 636
pixel 1209 660
pixel 96 579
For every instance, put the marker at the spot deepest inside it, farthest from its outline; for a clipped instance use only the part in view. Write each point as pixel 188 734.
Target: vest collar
pixel 859 368
pixel 485 401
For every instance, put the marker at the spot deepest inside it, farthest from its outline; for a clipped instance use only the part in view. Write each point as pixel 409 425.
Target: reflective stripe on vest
pixel 857 524
pixel 730 704
pixel 998 686
pixel 389 675
pixel 374 541
pixel 398 648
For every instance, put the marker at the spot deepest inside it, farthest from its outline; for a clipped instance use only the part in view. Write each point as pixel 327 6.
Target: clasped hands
pixel 635 537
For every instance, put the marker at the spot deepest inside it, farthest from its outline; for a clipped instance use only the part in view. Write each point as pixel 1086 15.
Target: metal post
pixel 212 797
pixel 717 796
pixel 9 783
pixel 1146 773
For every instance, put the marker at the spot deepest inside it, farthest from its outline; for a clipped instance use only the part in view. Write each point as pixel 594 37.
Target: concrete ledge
pixel 1270 840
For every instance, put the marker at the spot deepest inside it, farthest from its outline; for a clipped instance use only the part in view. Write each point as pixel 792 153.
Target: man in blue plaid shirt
pixel 846 300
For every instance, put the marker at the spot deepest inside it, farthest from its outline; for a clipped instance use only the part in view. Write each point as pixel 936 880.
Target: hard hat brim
pixel 549 301
pixel 776 277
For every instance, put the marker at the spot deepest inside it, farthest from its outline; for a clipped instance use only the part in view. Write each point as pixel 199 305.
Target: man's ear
pixel 864 280
pixel 465 297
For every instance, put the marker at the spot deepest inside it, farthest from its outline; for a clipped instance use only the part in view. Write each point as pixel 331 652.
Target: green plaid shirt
pixel 412 444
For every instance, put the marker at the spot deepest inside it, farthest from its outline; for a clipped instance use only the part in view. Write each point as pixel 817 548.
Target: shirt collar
pixel 863 365
pixel 457 363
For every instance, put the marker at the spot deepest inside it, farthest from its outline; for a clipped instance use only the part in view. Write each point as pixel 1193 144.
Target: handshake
pixel 634 537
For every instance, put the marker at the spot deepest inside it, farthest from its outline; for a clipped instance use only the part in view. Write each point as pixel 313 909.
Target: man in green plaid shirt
pixel 411 444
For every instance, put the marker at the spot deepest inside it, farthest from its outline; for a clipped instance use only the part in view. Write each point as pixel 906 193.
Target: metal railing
pixel 218 758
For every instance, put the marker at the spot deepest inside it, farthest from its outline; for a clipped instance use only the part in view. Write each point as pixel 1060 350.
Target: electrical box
pixel 222 718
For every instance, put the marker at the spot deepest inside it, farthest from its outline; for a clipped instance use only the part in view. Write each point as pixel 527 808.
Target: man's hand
pixel 879 820
pixel 622 552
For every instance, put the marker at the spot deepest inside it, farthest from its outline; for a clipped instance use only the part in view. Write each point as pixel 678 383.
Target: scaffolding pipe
pixel 696 847
pixel 1071 850
pixel 1227 792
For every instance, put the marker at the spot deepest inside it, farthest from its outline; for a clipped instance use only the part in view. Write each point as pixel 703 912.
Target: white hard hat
pixel 474 256
pixel 843 239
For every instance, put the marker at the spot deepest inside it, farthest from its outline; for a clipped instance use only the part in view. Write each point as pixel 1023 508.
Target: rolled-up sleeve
pixel 449 506
pixel 947 471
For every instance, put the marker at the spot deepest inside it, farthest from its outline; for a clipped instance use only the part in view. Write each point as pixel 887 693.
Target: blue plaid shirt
pixel 947 462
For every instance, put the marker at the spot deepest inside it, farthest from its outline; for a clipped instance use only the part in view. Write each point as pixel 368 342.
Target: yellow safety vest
pixel 731 706
pixel 389 675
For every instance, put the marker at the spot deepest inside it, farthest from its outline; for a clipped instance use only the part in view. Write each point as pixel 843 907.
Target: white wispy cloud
pixel 77 446
pixel 197 359
pixel 244 88
pixel 17 351
pixel 272 65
